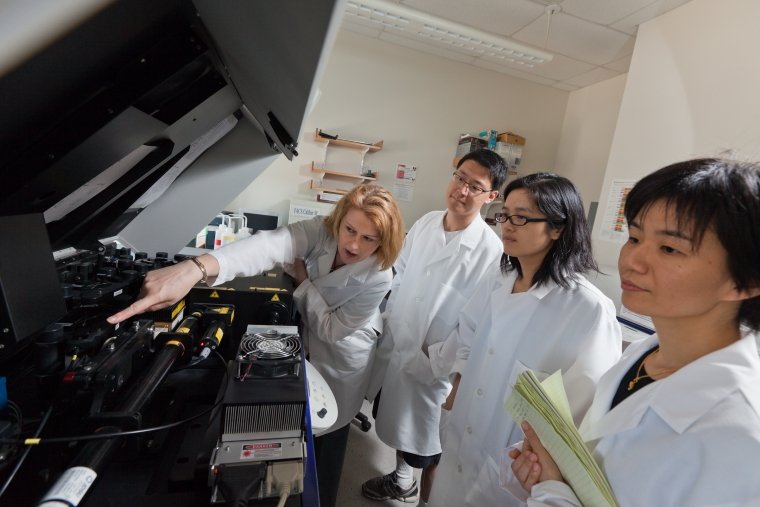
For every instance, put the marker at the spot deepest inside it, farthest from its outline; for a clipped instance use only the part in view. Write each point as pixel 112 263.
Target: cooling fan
pixel 268 354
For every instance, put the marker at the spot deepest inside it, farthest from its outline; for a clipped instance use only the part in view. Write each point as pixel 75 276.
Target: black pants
pixel 329 451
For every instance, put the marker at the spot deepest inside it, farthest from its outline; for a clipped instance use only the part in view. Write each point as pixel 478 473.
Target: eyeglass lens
pixel 462 182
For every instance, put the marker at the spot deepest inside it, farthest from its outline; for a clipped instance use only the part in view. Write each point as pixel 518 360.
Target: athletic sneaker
pixel 386 487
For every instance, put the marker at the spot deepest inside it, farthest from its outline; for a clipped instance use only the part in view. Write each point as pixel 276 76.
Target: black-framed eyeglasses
pixel 461 181
pixel 518 220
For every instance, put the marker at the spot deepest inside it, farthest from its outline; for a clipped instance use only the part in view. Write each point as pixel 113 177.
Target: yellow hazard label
pixel 223 310
pixel 179 308
pixel 275 298
pixel 219 333
pixel 214 294
pixel 183 330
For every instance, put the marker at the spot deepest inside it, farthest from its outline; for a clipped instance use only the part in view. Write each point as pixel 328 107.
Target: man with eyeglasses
pixel 445 255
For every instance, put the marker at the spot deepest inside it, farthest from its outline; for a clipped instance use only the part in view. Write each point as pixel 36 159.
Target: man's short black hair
pixel 497 168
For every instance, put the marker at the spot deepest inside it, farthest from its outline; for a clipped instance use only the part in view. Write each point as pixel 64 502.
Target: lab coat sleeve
pixel 265 249
pixel 400 266
pixel 443 358
pixel 598 350
pixel 334 324
pixel 552 494
pixel 443 354
pixel 472 314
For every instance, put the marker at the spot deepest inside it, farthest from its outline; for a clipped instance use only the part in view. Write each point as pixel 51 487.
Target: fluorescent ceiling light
pixel 433 30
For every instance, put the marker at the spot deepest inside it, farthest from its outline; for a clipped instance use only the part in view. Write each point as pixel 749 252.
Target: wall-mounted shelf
pixel 345 160
pixel 319 136
pixel 315 186
pixel 342 174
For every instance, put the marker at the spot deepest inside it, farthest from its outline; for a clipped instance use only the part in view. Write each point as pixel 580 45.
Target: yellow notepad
pixel 544 405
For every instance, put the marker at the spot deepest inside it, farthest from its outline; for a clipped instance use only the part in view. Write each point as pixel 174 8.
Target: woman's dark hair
pixel 497 168
pixel 717 194
pixel 558 199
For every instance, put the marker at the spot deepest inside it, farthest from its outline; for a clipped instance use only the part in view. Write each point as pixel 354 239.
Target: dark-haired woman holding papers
pixel 677 421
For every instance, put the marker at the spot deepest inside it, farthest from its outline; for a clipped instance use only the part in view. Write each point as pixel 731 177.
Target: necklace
pixel 639 376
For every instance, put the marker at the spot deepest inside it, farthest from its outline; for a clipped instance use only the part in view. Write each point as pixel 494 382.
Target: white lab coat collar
pixel 346 276
pixel 708 381
pixel 469 238
pixel 537 291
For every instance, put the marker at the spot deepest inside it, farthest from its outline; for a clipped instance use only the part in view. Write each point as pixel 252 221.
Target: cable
pixel 16 410
pixel 286 476
pixel 26 452
pixel 118 434
pixel 284 494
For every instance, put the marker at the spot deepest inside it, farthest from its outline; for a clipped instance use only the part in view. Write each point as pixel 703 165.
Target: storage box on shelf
pixel 509 145
pixel 342 166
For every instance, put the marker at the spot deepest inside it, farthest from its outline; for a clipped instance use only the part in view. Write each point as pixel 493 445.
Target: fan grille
pixel 269 345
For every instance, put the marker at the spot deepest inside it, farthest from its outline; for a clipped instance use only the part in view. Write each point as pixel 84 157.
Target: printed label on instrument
pixel 261 451
pixel 72 486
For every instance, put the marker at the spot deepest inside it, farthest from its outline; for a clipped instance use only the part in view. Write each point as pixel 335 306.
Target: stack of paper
pixel 544 405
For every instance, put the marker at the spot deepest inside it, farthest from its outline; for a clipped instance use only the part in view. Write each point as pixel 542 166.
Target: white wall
pixel 692 90
pixel 418 104
pixel 587 131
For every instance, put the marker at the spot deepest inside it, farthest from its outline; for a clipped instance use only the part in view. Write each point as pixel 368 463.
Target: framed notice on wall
pixel 614 227
pixel 403 182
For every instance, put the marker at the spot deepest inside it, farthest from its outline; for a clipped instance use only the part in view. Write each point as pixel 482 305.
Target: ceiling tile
pixel 630 23
pixel 502 17
pixel 593 76
pixel 584 35
pixel 510 63
pixel 561 68
pixel 578 39
pixel 513 72
pixel 621 65
pixel 427 48
pixel 603 11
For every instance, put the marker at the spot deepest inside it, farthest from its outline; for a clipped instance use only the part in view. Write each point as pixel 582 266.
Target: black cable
pixel 26 452
pixel 118 434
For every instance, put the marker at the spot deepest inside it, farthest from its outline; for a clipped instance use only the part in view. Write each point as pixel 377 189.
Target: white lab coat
pixel 545 329
pixel 433 282
pixel 690 439
pixel 340 309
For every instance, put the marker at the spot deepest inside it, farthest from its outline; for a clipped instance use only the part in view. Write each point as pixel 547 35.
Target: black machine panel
pixel 265 299
pixel 88 124
pixel 30 293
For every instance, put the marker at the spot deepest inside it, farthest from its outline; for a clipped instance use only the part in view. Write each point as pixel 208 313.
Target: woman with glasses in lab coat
pixel 536 310
pixel 341 265
pixel 677 420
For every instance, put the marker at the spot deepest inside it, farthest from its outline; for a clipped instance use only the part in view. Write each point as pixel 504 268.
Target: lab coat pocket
pixel 445 309
pixel 351 354
pixel 354 352
pixel 487 489
pixel 518 367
